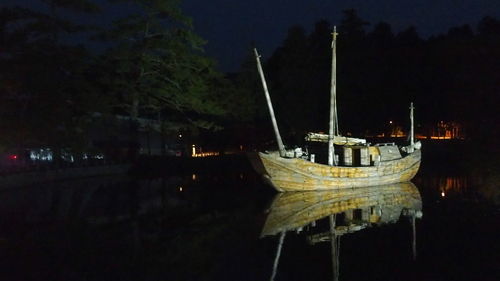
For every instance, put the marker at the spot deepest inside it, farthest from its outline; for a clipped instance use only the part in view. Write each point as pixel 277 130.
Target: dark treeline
pixel 53 85
pixel 153 66
pixel 450 77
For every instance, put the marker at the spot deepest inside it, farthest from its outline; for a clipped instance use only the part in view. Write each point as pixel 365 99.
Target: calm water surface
pixel 208 226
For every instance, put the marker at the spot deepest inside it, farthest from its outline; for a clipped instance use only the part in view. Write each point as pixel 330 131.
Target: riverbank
pixel 144 167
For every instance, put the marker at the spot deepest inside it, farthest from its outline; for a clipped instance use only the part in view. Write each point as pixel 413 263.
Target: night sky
pixel 231 26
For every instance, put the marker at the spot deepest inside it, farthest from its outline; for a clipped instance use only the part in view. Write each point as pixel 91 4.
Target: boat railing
pixel 386 144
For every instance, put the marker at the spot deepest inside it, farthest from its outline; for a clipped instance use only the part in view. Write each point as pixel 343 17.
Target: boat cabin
pixel 354 154
pixel 366 155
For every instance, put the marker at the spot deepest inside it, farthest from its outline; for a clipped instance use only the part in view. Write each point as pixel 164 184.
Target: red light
pixel 13 157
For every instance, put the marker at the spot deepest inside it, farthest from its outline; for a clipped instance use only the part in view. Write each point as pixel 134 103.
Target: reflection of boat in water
pixel 293 210
pixel 347 210
pixel 352 162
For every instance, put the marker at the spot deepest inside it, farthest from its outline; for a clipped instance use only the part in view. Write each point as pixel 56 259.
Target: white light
pixel 442 194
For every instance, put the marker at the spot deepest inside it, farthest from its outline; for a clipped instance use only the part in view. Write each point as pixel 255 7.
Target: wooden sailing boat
pixel 352 162
pixel 356 210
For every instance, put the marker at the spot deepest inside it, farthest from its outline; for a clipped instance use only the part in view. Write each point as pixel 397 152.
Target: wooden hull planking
pixel 296 174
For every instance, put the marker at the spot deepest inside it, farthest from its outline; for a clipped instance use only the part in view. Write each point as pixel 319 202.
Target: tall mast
pixel 333 128
pixel 281 147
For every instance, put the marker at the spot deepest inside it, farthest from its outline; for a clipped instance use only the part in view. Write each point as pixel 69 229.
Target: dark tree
pixel 156 64
pixel 452 77
pixel 44 92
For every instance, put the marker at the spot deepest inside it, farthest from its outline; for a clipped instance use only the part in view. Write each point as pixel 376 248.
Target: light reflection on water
pixel 460 187
pixel 456 184
pixel 347 211
pixel 206 226
pixel 445 183
pixel 104 199
pixel 446 186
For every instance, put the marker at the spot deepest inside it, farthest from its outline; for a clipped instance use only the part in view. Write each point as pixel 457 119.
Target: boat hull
pixel 296 174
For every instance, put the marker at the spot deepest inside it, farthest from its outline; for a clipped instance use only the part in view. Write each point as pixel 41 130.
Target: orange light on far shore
pixel 441 138
pixel 200 153
pixel 206 154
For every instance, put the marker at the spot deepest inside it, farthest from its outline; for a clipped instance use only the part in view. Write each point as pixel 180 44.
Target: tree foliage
pixel 156 64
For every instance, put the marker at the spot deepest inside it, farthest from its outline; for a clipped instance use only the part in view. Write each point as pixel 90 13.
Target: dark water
pixel 206 226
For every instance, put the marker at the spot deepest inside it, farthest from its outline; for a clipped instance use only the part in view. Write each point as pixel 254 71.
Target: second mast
pixel 333 129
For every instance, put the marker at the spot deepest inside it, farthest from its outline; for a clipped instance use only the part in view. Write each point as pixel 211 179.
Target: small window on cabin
pixel 357 215
pixel 356 157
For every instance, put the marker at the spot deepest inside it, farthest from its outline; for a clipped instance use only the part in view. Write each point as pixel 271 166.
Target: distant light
pixel 193 177
pixel 442 194
pixel 180 188
pixel 180 135
pixel 13 157
pixel 390 122
pixel 241 147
